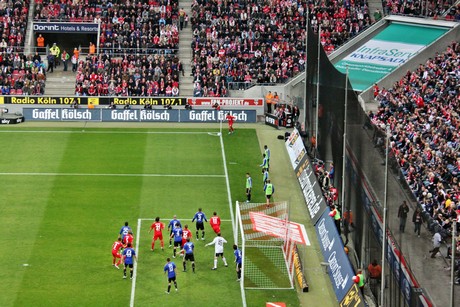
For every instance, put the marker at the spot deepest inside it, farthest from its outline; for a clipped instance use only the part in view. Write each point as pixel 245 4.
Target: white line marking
pixel 133 285
pixel 227 182
pixel 179 218
pixel 102 132
pixel 112 175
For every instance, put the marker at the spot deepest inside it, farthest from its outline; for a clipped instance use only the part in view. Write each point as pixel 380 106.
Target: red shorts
pixel 116 255
pixel 183 242
pixel 158 236
pixel 216 228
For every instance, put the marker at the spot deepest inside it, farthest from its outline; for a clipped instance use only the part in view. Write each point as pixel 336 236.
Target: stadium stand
pixel 434 9
pixel 130 75
pixel 137 26
pixel 130 31
pixel 421 111
pixel 235 45
pixel 20 74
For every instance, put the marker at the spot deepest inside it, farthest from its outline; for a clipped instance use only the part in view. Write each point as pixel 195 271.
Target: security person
pixel 54 50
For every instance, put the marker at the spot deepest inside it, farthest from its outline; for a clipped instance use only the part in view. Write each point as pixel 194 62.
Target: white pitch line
pixel 102 132
pixel 227 182
pixel 179 218
pixel 111 175
pixel 230 206
pixel 133 285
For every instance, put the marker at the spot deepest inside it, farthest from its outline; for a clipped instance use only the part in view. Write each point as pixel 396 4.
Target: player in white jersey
pixel 218 243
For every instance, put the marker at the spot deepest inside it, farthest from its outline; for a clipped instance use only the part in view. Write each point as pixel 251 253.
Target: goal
pixel 263 235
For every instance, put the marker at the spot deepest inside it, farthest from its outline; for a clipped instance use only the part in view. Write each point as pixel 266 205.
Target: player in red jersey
pixel 230 118
pixel 116 253
pixel 129 238
pixel 186 233
pixel 214 221
pixel 158 233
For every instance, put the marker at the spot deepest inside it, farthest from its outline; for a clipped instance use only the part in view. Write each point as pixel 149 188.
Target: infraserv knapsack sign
pixel 137 115
pixel 392 47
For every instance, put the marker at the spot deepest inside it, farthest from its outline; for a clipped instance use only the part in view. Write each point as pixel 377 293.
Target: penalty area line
pixel 133 285
pixel 103 132
pixel 179 218
pixel 110 175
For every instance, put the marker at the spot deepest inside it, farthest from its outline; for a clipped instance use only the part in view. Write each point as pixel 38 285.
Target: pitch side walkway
pixel 432 274
pixel 288 188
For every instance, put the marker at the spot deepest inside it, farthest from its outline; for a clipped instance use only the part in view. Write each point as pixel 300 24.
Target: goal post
pixel 263 235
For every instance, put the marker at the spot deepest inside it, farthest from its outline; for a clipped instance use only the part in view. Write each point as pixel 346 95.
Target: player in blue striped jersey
pixel 124 231
pixel 170 268
pixel 129 255
pixel 238 261
pixel 200 218
pixel 172 224
pixel 188 249
pixel 177 235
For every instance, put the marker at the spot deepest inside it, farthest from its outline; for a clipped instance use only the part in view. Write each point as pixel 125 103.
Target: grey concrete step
pixel 60 83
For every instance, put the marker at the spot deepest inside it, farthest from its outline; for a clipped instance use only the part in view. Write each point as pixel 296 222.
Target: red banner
pixel 276 227
pixel 210 101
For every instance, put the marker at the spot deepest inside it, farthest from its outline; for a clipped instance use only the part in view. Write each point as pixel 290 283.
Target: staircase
pixel 185 52
pixel 373 6
pixel 60 83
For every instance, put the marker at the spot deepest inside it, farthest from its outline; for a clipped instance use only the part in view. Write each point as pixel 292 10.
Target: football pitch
pixel 66 192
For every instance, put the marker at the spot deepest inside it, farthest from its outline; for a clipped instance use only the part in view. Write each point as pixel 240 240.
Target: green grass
pixel 63 223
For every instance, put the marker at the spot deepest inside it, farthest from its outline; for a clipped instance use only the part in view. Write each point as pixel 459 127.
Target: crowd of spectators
pixel 129 75
pixel 434 9
pixel 22 75
pixel 238 43
pixel 422 112
pixel 13 24
pixel 126 26
pixel 339 21
pixel 245 41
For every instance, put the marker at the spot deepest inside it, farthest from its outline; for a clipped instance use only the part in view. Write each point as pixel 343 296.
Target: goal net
pixel 263 235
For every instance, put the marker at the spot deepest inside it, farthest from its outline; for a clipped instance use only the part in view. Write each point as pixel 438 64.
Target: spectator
pixel 74 61
pixel 377 15
pixel 51 58
pixel 130 75
pixel 402 215
pixel 421 112
pixel 40 43
pixel 65 59
pixel 436 244
pixel 374 270
pixel 92 48
pixel 417 219
pixel 268 101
